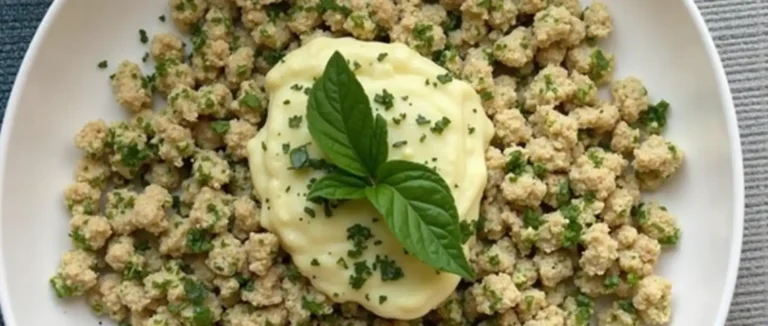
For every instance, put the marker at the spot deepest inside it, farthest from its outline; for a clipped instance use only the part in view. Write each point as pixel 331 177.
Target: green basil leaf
pixel 419 209
pixel 341 122
pixel 337 185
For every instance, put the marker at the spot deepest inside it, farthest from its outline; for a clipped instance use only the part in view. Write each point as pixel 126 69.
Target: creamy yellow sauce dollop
pixel 317 243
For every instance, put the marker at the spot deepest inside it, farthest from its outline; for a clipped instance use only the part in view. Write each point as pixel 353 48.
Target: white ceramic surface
pixel 59 88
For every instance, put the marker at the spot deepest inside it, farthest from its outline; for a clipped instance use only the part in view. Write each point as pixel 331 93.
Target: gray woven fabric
pixel 740 31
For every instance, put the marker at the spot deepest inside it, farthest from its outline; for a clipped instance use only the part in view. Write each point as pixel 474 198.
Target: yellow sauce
pixel 457 153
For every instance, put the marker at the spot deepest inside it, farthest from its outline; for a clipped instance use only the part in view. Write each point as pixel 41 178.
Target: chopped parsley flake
pixel 599 65
pixel 468 229
pixel 220 127
pixel 445 78
pixel 422 33
pixel 421 120
pixel 655 118
pixel 440 125
pixel 252 101
pixel 161 18
pixel 313 307
pixel 516 163
pixel 294 121
pixel 540 171
pixel 627 306
pixel 399 144
pixel 672 239
pixel 382 299
pixel 102 64
pixel 299 157
pixel 397 120
pixel 314 262
pixel 532 219
pixel 386 99
pixel 611 281
pixel 382 56
pixel 389 269
pixel 639 214
pixel 310 212
pixel 143 36
pixel 359 235
pixel 361 275
pixel 486 96
pixel 596 159
pixel 422 138
pixel 633 279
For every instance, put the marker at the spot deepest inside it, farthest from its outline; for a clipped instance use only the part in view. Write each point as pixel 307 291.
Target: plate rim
pixel 734 138
pixel 726 104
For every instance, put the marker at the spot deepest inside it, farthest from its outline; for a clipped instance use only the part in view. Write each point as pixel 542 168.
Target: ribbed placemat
pixel 740 30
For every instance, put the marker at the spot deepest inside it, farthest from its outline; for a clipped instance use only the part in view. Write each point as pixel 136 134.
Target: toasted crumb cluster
pixel 165 226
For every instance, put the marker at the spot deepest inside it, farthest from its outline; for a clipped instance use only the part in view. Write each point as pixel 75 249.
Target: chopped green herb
pixel 540 171
pixel 445 78
pixel 421 120
pixel 471 129
pixel 359 235
pixel 626 306
pixel 133 272
pixel 314 262
pixel 633 279
pixel 595 157
pixel 516 163
pixel 382 299
pixel 672 239
pixel 381 56
pixel 589 197
pixel 286 148
pixel 361 275
pixel 299 157
pixel 399 144
pixel 196 293
pixel 386 99
pixel 486 96
pixel 611 281
pixel 143 36
pixel 389 269
pixel 422 33
pixel 468 229
pixel 313 307
pixel 252 101
pixel 286 102
pixel 440 125
pixel 102 64
pixel 655 118
pixel 295 121
pixel 639 214
pixel 599 65
pixel 532 219
pixel 220 126
pixel 309 211
pixel 422 138
pixel 161 18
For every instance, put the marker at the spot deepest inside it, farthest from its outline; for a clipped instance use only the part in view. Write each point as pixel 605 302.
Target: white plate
pixel 59 88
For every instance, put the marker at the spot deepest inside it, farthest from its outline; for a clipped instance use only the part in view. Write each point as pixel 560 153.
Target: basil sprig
pixel 415 201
